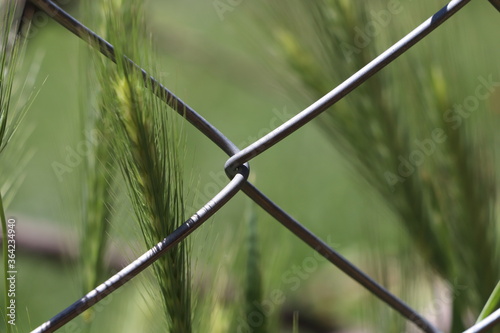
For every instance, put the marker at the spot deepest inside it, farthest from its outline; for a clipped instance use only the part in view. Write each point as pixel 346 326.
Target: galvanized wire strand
pixel 486 324
pixel 337 259
pixel 345 88
pixel 147 258
pixel 73 25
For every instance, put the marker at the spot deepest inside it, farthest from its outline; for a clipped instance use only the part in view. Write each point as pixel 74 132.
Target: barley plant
pixel 11 113
pixel 97 181
pixel 256 319
pixel 146 142
pixel 432 168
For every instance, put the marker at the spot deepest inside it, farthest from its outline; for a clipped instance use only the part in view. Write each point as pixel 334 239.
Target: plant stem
pixel 295 322
pixel 492 304
pixel 253 288
pixel 5 258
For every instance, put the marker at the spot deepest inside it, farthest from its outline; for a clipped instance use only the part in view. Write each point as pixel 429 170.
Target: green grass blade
pixel 98 180
pixel 295 324
pixel 492 304
pixel 10 47
pixel 257 319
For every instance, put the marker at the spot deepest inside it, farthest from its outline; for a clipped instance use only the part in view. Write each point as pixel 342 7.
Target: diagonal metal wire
pixel 239 172
pixel 346 87
pixel 147 258
pixel 335 258
pixel 71 24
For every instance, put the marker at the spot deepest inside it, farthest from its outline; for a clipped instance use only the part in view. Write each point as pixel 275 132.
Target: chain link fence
pixel 237 169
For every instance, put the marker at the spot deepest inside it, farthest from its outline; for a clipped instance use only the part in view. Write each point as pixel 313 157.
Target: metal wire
pixel 237 168
pixel 71 24
pixel 335 258
pixel 147 258
pixel 487 323
pixel 346 87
